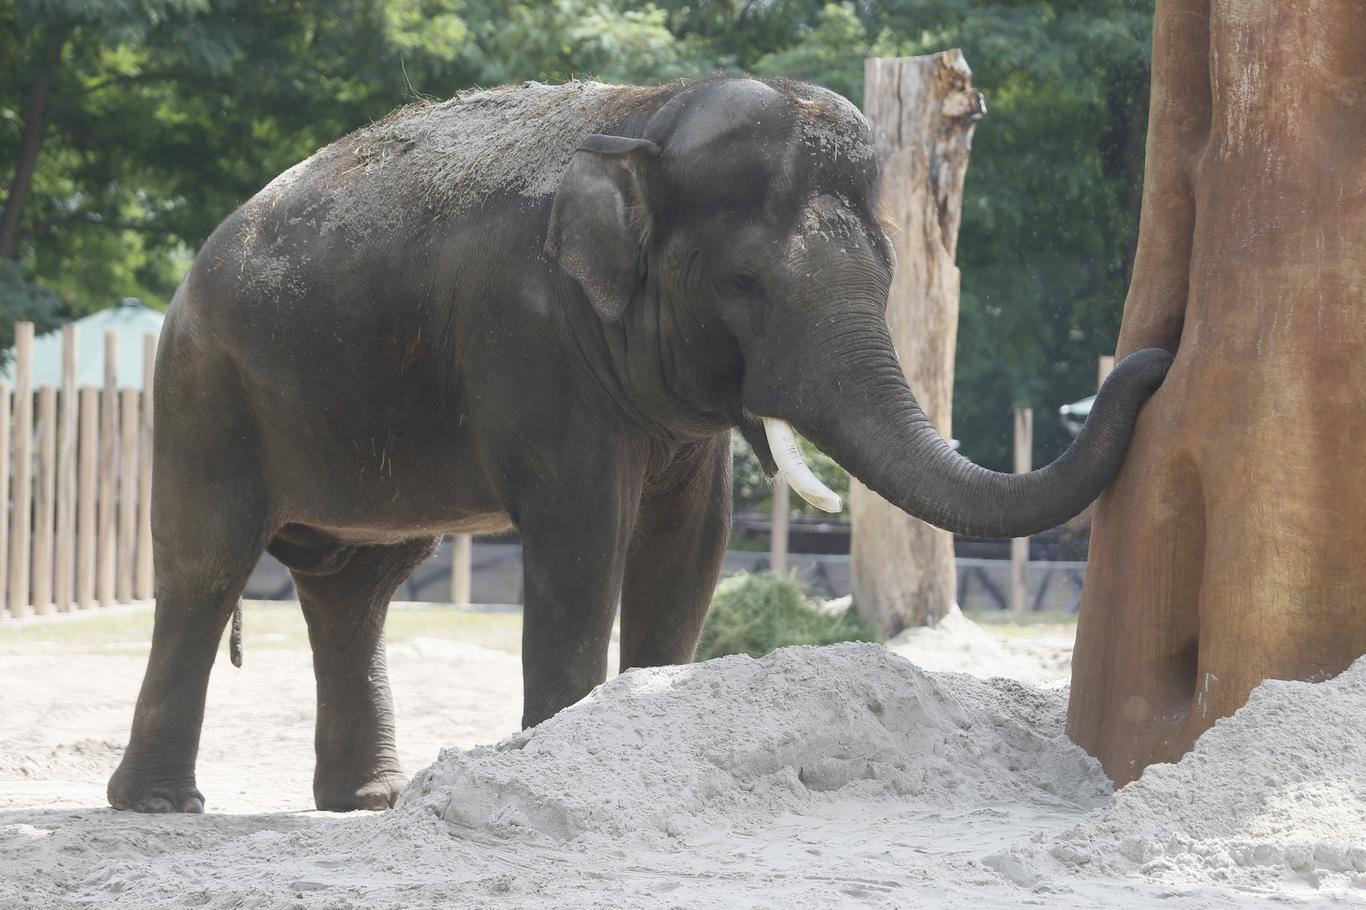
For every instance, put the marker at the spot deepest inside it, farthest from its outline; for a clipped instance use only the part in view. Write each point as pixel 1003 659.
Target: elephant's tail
pixel 235 637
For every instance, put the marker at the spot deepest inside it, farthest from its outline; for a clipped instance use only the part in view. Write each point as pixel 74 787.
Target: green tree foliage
pixel 129 128
pixel 23 300
pixel 1051 205
pixel 755 614
pixel 161 116
pixel 822 53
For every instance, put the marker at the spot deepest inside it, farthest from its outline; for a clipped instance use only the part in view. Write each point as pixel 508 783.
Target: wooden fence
pixel 76 471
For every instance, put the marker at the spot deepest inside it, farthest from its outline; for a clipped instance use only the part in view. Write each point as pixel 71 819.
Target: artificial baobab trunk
pixel 922 110
pixel 1229 548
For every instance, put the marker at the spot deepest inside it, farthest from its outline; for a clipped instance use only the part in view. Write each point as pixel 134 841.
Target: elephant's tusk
pixel 783 443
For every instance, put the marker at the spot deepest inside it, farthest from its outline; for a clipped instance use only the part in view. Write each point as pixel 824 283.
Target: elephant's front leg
pixel 675 556
pixel 575 529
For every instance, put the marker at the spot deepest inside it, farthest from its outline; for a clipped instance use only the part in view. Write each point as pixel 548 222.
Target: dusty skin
pixel 816 778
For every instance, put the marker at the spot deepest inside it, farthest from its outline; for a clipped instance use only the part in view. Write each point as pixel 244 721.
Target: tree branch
pixel 136 79
pixel 35 132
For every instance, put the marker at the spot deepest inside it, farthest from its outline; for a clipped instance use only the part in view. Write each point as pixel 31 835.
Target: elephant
pixel 543 308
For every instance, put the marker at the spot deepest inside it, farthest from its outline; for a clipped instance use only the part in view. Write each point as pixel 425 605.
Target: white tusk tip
pixel 782 442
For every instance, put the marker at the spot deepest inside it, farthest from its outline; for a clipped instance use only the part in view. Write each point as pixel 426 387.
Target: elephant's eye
pixel 746 285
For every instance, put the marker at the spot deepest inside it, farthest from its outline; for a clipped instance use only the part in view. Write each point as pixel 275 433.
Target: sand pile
pixel 957 644
pixel 736 740
pixel 1274 794
pixel 812 778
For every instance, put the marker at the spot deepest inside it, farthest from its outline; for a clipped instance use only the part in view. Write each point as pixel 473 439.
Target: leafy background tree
pixel 129 128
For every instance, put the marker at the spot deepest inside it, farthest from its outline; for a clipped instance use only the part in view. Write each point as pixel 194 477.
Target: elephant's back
pixel 354 245
pixel 376 201
pixel 451 156
pixel 431 162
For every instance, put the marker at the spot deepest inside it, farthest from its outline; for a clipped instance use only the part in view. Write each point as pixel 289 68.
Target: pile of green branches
pixel 755 614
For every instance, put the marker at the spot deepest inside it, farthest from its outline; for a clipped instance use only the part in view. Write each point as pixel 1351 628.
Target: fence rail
pixel 76 475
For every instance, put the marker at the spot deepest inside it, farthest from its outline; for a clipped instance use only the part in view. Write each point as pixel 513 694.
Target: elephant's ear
pixel 601 219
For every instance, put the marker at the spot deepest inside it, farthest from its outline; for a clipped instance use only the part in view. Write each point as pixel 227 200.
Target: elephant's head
pixel 731 248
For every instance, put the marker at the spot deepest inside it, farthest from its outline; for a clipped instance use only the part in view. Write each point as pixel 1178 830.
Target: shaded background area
pixel 496 574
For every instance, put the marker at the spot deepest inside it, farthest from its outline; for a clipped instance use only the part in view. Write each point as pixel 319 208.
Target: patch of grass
pixel 499 631
pixel 118 631
pixel 266 625
pixel 1029 624
pixel 755 614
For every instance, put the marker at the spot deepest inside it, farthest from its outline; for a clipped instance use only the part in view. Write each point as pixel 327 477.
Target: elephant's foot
pixel 145 786
pixel 375 791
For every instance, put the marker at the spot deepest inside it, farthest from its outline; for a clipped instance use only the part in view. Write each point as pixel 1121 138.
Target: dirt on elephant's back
pixel 514 140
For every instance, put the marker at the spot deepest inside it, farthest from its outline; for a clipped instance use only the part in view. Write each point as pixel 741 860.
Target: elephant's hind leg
pixel 357 754
pixel 210 519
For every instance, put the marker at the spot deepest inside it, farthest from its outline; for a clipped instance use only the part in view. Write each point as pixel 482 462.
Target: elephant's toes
pixel 145 789
pixel 376 792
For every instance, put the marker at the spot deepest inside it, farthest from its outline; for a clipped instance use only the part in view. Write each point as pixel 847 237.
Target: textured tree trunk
pixel 35 132
pixel 1229 548
pixel 922 110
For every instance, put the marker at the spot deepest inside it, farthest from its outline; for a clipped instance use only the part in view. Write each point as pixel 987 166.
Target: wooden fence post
pixel 66 474
pixel 4 493
pixel 778 536
pixel 1105 367
pixel 923 111
pixel 146 585
pixel 109 472
pixel 128 493
pixel 45 499
pixel 462 555
pixel 1019 546
pixel 86 486
pixel 22 499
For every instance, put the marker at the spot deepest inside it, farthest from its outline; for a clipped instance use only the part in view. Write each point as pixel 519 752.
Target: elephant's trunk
pixel 883 438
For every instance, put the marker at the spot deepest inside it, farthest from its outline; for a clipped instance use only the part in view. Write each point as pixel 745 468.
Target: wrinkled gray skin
pixel 453 321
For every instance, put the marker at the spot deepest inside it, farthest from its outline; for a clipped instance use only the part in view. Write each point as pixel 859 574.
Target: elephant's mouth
pixel 752 428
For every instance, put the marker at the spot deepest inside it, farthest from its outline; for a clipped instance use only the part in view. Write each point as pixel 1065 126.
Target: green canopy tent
pixel 130 320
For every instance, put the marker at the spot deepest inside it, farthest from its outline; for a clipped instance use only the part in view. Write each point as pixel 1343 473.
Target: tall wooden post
pixel 4 493
pixel 44 505
pixel 922 110
pixel 1019 547
pixel 87 486
pixel 777 544
pixel 66 475
pixel 462 558
pixel 22 509
pixel 1104 368
pixel 145 586
pixel 128 493
pixel 1228 549
pixel 107 533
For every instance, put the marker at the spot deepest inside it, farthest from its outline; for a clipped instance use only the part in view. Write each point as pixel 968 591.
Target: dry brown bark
pixel 922 110
pixel 1228 549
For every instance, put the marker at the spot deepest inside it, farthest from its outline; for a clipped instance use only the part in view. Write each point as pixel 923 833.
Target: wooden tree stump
pixel 923 110
pixel 1229 548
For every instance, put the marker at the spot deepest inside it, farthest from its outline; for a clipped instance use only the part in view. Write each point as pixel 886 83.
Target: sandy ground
pixel 814 778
